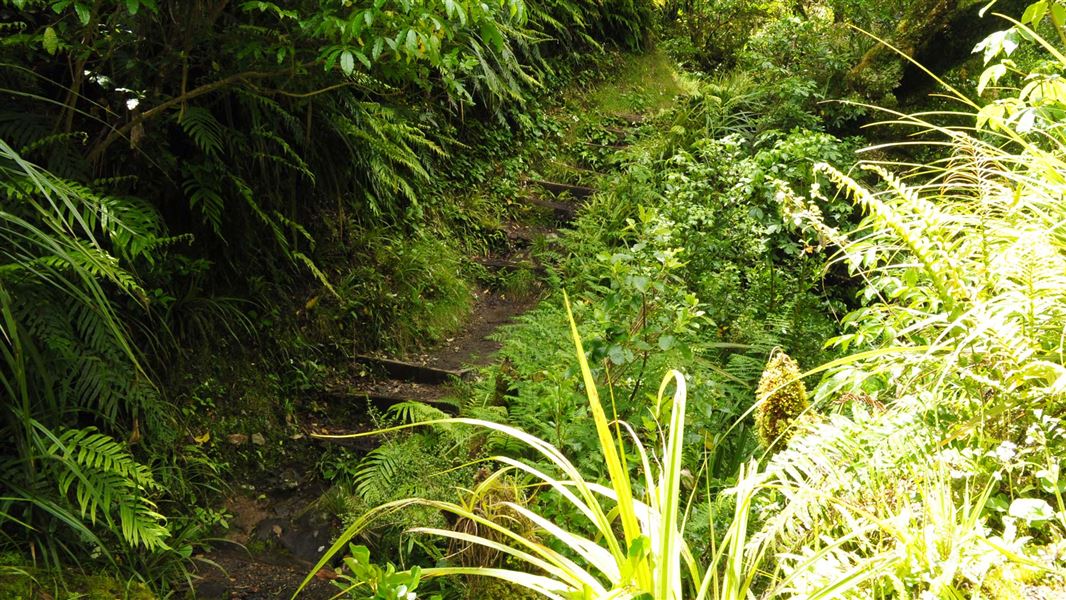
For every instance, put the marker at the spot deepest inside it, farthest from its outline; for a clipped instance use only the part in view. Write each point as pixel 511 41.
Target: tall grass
pixel 631 543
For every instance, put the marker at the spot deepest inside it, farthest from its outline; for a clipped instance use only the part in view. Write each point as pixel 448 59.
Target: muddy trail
pixel 278 529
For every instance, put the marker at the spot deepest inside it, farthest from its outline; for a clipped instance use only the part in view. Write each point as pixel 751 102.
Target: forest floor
pixel 279 526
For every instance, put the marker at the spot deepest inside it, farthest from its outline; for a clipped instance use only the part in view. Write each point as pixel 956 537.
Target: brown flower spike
pixel 781 398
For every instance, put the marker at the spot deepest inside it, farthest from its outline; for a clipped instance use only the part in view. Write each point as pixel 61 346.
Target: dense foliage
pixel 169 172
pixel 207 209
pixel 925 464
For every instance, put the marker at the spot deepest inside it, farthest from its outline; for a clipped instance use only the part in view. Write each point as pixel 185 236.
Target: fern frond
pixel 259 104
pixel 380 472
pixel 416 412
pixel 202 187
pixel 204 129
pixel 288 158
pixel 887 216
pixel 55 138
pixel 106 481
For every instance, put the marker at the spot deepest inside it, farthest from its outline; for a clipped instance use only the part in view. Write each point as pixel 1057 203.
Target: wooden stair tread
pixel 615 146
pixel 529 235
pixel 499 263
pixel 557 188
pixel 411 371
pixel 383 394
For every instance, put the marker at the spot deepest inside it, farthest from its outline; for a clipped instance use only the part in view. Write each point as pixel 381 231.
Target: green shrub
pixel 404 293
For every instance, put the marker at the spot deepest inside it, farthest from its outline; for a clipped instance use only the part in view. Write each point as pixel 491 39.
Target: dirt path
pixel 280 529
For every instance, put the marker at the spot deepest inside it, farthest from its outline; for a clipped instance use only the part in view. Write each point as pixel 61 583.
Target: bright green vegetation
pixel 206 213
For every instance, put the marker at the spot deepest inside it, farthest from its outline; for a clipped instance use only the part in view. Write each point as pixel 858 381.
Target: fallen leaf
pixel 326 573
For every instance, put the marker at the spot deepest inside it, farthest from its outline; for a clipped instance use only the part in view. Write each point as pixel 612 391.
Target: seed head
pixel 781 398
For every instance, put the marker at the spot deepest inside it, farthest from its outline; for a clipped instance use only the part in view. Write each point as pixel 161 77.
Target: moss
pixel 487 587
pixel 647 83
pixel 16 587
pixel 781 398
pixel 29 584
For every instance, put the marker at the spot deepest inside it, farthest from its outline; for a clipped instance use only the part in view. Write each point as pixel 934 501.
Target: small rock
pixel 237 439
pixel 258 439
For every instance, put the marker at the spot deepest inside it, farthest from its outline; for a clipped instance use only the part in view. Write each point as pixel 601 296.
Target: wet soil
pixel 277 533
pixel 472 347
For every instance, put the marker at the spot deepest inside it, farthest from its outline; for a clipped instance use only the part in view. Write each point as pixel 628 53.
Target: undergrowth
pixel 924 461
pixel 682 258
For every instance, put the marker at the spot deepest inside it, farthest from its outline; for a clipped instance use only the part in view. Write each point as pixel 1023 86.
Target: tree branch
pixel 123 132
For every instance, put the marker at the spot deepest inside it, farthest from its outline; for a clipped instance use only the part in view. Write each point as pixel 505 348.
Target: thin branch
pixel 324 90
pixel 123 132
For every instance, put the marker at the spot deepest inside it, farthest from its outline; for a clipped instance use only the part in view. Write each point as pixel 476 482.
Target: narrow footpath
pixel 279 530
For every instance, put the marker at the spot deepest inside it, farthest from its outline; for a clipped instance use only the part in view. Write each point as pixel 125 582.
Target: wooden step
pixel 414 372
pixel 558 188
pixel 564 211
pixel 384 394
pixel 576 168
pixel 526 238
pixel 384 400
pixel 497 263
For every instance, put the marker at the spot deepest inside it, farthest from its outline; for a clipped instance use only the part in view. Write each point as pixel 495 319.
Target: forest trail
pixel 384 300
pixel 279 529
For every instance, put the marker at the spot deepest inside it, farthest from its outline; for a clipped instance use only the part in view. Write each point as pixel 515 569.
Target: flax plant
pixel 637 549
